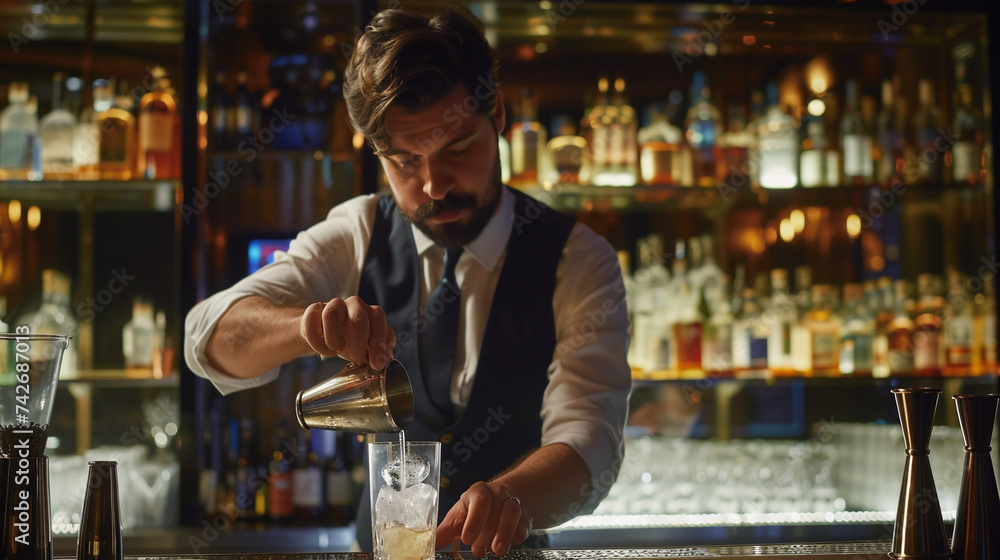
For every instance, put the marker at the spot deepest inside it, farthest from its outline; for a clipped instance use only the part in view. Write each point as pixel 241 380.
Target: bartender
pixel 509 316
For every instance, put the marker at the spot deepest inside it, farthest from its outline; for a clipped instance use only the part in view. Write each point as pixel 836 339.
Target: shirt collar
pixel 490 245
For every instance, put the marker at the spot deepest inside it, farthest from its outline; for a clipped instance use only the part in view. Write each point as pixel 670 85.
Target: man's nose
pixel 439 179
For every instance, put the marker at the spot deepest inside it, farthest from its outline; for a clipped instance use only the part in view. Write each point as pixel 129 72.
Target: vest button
pixel 447 438
pixel 445 482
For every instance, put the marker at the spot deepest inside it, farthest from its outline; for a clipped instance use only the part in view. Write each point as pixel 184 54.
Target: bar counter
pixel 832 551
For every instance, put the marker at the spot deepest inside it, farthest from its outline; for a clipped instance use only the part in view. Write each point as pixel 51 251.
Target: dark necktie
pixel 438 340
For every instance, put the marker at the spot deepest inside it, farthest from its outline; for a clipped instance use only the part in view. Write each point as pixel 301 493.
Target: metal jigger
pixel 359 399
pixel 977 536
pixel 919 528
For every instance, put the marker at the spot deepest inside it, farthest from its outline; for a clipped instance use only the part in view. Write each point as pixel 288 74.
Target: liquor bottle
pixel 717 339
pixel 55 316
pixel 959 328
pixel 246 469
pixel 138 335
pixel 527 143
pixel 279 482
pixel 880 302
pixel 56 130
pixel 967 127
pixel 986 328
pixel 892 133
pixel 925 168
pixel 856 141
pixel 307 482
pixel 600 120
pixel 817 337
pixel 657 284
pixel 750 333
pixel 754 122
pixel 338 482
pixel 240 123
pixel 783 316
pixel 777 145
pixel 659 148
pixel 856 347
pixel 927 338
pixel 116 145
pixel 735 144
pixel 819 162
pixel 687 330
pixel 899 333
pixel 220 112
pixel 18 136
pixel 711 277
pixel 803 289
pixel 87 137
pixel 568 153
pixel 158 152
pixel 622 149
pixel 703 127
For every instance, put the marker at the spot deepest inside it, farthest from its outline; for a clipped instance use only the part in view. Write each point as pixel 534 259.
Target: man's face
pixel 443 167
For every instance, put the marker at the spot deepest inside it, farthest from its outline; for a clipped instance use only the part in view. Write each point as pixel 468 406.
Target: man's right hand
pixel 349 328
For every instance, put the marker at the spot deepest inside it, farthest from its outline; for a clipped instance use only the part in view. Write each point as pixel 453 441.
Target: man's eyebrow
pixel 456 140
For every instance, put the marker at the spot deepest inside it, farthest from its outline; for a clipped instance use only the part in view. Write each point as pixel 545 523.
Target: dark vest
pixel 502 421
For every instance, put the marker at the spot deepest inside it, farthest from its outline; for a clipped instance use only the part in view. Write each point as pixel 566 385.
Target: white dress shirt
pixel 585 402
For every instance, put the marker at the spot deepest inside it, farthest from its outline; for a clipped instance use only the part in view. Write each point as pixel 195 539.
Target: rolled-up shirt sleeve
pixel 322 262
pixel 586 402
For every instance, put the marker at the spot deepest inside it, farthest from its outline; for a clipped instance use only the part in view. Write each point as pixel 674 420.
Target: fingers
pixel 489 519
pixel 348 328
pixel 507 527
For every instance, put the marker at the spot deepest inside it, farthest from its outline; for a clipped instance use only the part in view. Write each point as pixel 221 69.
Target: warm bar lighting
pixel 786 230
pixel 14 211
pixel 34 217
pixel 798 220
pixel 853 225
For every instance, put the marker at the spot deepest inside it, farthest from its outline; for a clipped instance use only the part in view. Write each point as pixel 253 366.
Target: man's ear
pixel 499 113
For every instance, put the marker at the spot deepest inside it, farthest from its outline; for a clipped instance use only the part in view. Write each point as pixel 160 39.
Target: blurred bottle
pixel 159 151
pixel 899 333
pixel 986 328
pixel 239 122
pixel 503 147
pixel 782 318
pixel 338 483
pixel 246 469
pixel 116 153
pixel 56 130
pixel 659 148
pixel 219 113
pixel 750 334
pixel 892 134
pixel 139 335
pixel 881 301
pixel 568 153
pixel 735 144
pixel 717 339
pixel 926 127
pixel 967 126
pixel 817 337
pixel 600 119
pixel 927 339
pixel 655 280
pixel 307 482
pixel 688 329
pixel 857 341
pixel 279 482
pixel 703 127
pixel 87 137
pixel 55 316
pixel 622 150
pixel 18 136
pixel 856 141
pixel 777 145
pixel 819 162
pixel 959 328
pixel 527 143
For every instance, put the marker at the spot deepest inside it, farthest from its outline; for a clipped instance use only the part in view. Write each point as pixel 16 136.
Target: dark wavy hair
pixel 415 61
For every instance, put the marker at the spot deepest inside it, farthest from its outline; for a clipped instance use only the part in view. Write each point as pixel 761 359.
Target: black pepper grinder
pixel 100 535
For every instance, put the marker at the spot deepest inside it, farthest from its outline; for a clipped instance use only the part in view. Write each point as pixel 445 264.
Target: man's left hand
pixel 487 516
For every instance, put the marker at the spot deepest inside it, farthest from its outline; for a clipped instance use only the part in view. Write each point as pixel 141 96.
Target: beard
pixel 462 232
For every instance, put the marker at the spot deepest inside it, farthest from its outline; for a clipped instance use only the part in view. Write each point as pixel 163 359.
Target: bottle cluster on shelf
pixel 306 478
pixel 828 141
pixel 692 322
pixel 126 133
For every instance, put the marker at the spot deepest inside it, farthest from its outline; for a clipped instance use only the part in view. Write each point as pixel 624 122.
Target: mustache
pixel 449 202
